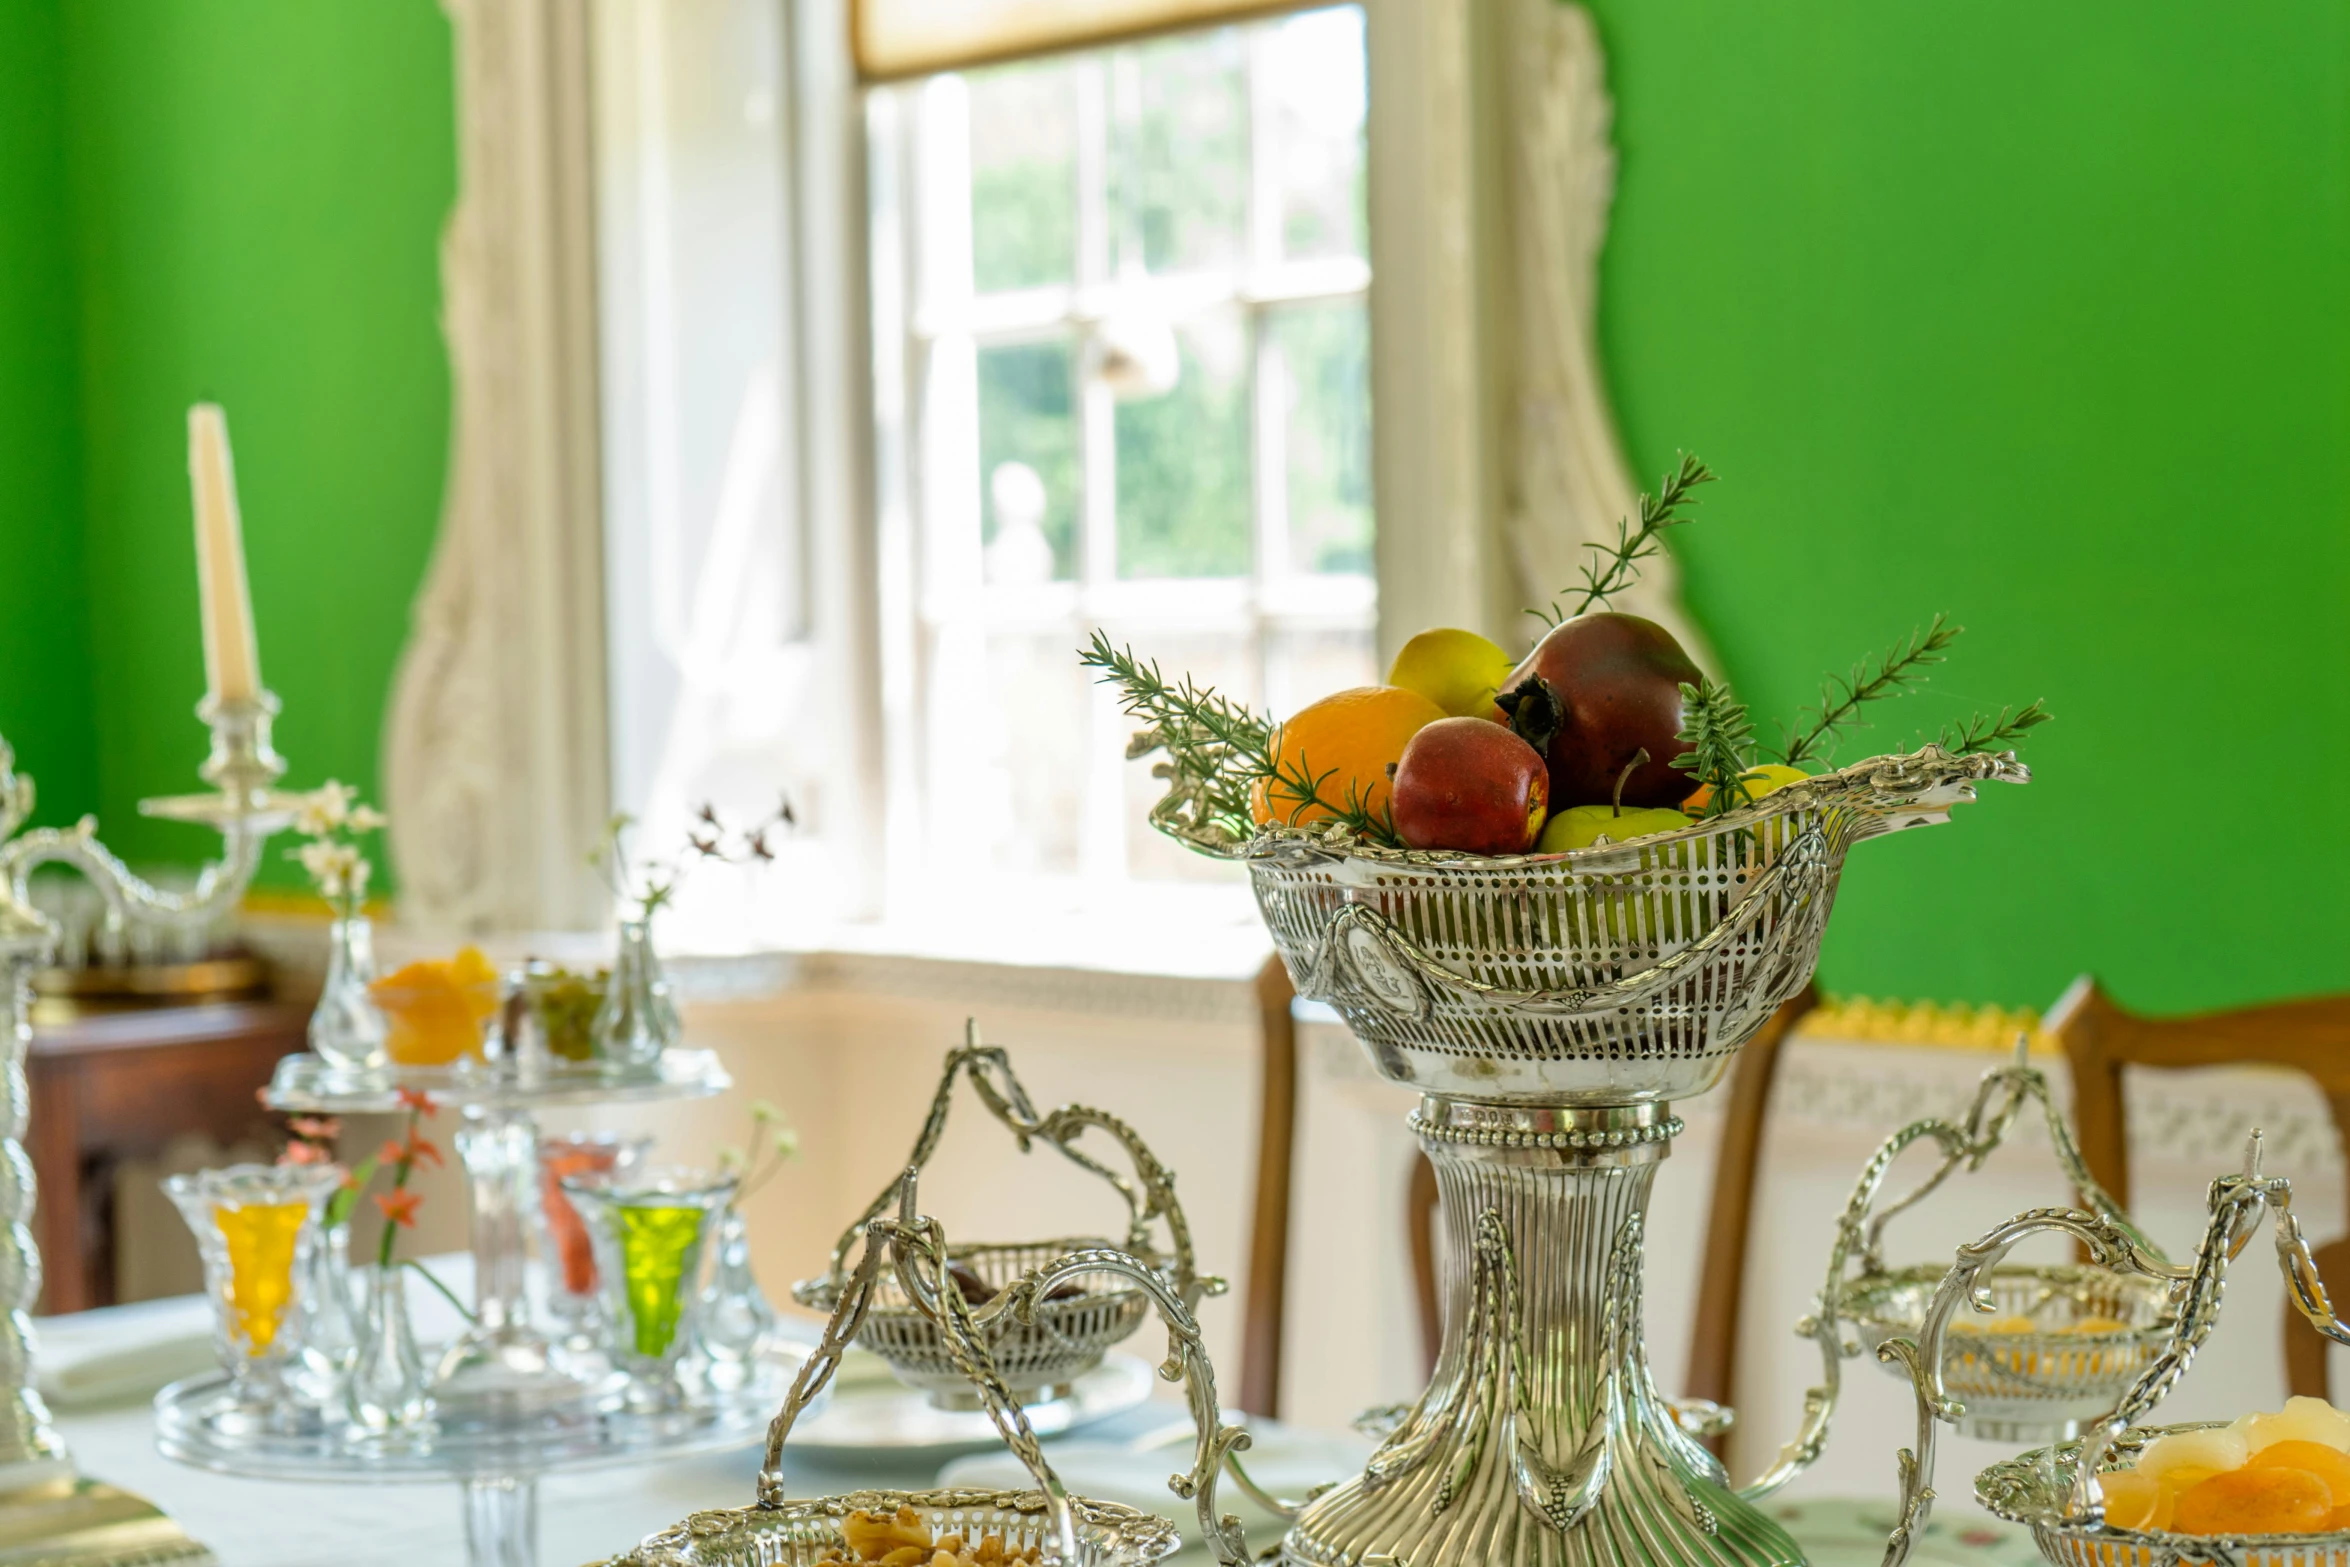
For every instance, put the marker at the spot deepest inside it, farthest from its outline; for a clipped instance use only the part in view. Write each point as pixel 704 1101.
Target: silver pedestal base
pixel 1542 1440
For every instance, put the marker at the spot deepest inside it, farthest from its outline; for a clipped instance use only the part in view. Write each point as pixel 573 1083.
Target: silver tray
pixel 871 1411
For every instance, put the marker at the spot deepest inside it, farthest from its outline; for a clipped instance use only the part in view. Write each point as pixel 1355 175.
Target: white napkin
pixel 120 1353
pixel 1282 1459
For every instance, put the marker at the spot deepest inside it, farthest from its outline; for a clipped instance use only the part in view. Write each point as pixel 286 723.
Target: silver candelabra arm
pixel 1860 1232
pixel 241 767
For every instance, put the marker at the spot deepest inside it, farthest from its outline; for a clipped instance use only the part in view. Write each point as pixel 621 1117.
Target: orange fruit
pixel 1345 743
pixel 2135 1501
pixel 2255 1501
pixel 2329 1464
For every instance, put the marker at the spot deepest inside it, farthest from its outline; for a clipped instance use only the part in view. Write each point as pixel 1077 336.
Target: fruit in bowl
pixel 2286 1472
pixel 434 1009
pixel 1337 755
pixel 1470 785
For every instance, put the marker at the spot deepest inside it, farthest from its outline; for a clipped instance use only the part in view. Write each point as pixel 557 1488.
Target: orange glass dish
pixel 434 1009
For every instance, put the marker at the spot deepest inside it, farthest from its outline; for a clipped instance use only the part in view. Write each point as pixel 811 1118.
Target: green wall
pixel 2035 314
pixel 259 187
pixel 236 200
pixel 44 634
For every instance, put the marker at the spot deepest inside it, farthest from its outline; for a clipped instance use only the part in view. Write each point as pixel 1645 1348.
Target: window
pixel 1122 369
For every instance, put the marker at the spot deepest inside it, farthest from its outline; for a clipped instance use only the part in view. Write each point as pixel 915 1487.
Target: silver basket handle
pixel 1149 1194
pixel 917 1246
pixel 1364 955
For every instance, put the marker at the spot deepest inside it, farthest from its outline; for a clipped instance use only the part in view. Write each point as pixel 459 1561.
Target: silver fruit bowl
pixel 1057 1337
pixel 2021 1386
pixel 1620 974
pixel 2034 1489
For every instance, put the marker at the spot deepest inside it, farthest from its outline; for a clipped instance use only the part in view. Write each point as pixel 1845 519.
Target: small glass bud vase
pixel 346 1029
pixel 330 1317
pixel 733 1320
pixel 650 1229
pixel 255 1225
pixel 637 1020
pixel 386 1393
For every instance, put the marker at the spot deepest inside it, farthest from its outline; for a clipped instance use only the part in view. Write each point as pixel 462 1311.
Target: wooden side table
pixel 120 1085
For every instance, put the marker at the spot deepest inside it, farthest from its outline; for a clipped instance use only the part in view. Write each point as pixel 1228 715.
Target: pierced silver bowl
pixel 1038 1358
pixel 1613 975
pixel 2032 1489
pixel 2020 1387
pixel 802 1533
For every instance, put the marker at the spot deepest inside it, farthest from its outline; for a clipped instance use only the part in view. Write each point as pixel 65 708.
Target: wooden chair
pixel 1265 1300
pixel 2100 1038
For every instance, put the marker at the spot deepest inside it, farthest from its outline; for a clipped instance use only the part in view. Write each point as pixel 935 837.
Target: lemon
pixel 1457 670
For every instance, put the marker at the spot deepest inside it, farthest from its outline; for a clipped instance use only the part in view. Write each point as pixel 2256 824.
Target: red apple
pixel 1593 695
pixel 1472 785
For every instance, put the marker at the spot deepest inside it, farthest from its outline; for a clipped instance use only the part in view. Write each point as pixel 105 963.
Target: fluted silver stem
pixel 1541 1441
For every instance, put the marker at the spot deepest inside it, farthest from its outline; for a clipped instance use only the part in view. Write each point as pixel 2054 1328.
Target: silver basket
pixel 2032 1489
pixel 1612 975
pixel 775 1531
pixel 2053 1491
pixel 2025 1386
pixel 1039 1352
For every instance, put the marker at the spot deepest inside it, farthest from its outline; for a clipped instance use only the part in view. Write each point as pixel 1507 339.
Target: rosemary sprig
pixel 1617 569
pixel 1720 737
pixel 1994 734
pixel 1895 672
pixel 1218 752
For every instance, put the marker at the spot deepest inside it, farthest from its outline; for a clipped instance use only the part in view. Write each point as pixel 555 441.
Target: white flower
pixel 787 1143
pixel 366 818
pixel 325 809
pixel 336 869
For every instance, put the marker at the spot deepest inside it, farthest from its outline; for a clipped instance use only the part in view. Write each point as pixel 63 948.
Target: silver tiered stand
pixel 508 1408
pixel 1550 1008
pixel 44 1501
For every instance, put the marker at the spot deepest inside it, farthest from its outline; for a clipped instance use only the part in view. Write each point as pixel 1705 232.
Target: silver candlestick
pixel 45 1503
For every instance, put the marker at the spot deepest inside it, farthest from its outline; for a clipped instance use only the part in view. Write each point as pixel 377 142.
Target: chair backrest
pixel 1729 1232
pixel 1265 1298
pixel 2100 1038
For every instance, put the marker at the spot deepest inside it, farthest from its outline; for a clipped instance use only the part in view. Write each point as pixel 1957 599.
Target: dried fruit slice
pixel 2217 1451
pixel 2329 1464
pixel 2255 1501
pixel 2136 1501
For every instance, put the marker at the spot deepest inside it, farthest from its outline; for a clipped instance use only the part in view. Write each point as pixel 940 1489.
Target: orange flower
pixel 303 1153
pixel 399 1207
pixel 418 1101
pixel 423 1149
pixel 391 1153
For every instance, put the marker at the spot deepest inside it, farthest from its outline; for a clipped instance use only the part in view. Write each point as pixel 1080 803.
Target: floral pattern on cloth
pixel 1850 1532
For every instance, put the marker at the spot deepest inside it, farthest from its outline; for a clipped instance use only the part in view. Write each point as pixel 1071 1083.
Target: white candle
pixel 232 665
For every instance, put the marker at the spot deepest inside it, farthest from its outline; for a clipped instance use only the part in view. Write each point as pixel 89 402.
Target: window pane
pixel 1023 176
pixel 1183 463
pixel 1027 463
pixel 1327 350
pixel 1021 789
pixel 1179 153
pixel 1317 96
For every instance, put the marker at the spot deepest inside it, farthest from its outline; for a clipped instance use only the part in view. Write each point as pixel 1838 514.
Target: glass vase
pixel 636 1020
pixel 330 1317
pixel 733 1320
pixel 385 1393
pixel 346 1029
pixel 650 1229
pixel 255 1225
pixel 572 1297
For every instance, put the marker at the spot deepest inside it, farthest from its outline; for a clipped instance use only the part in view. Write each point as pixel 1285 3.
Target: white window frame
pixel 929 330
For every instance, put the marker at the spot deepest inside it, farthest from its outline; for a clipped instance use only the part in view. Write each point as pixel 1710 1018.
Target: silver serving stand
pixel 2054 1491
pixel 778 1531
pixel 1041 1353
pixel 509 1409
pixel 1549 1008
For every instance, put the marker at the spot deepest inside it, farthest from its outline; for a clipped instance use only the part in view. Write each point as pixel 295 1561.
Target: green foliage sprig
pixel 1994 734
pixel 1720 737
pixel 1613 570
pixel 1900 669
pixel 1218 751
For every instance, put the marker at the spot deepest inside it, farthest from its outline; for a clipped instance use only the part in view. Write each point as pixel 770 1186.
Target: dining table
pixel 101 1368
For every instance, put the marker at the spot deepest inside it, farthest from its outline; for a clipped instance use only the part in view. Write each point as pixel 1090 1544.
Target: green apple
pixel 1581 826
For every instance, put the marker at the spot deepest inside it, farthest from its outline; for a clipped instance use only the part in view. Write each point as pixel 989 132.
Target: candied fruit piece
pixel 2135 1501
pixel 2329 1464
pixel 2099 1325
pixel 2215 1450
pixel 2301 1420
pixel 2255 1501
